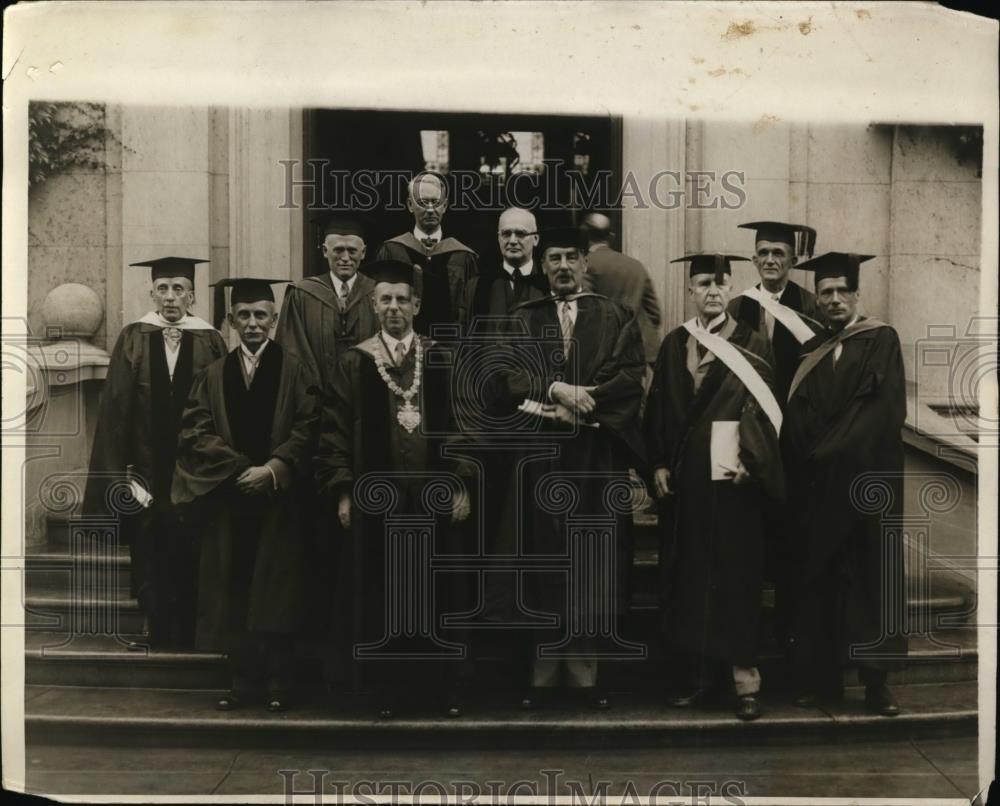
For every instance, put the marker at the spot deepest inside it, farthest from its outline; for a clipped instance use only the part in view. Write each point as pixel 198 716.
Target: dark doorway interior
pixel 549 148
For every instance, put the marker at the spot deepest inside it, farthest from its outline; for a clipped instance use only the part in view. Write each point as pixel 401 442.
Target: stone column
pixel 653 232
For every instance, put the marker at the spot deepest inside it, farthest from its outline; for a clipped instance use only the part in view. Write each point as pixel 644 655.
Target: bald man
pixel 518 277
pixel 446 265
pixel 622 279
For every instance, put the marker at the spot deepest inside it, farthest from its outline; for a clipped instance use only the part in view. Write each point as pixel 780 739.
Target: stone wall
pixel 901 193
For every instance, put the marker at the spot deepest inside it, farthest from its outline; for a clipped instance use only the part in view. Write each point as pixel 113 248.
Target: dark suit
pixel 493 293
pixel 625 280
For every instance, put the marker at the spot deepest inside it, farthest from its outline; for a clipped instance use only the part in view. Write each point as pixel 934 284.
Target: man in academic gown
pixel 446 265
pixel 784 313
pixel 386 416
pixel 517 278
pixel 622 279
pixel 325 315
pixel 152 366
pixel 322 317
pixel 578 377
pixel 842 440
pixel 242 464
pixel 711 425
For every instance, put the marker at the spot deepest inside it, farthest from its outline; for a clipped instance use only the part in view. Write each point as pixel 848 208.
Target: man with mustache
pixel 446 266
pixel 842 437
pixel 149 376
pixel 711 425
pixel 242 466
pixel 577 375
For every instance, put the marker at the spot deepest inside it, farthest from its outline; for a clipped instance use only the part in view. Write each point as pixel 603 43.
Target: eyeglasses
pixel 517 233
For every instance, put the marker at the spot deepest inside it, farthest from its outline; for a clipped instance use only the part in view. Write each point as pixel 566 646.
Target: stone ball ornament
pixel 72 310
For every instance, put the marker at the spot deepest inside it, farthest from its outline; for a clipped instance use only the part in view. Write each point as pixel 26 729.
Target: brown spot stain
pixel 805 28
pixel 719 71
pixel 765 122
pixel 863 14
pixel 737 30
pixel 697 60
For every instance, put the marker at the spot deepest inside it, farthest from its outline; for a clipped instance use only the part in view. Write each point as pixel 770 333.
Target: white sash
pixel 731 356
pixel 789 318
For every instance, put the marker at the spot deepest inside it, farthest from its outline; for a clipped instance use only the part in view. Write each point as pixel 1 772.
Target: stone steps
pixel 83 660
pixel 167 717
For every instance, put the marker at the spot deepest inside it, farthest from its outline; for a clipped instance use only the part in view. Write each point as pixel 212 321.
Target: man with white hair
pixel 446 266
pixel 149 377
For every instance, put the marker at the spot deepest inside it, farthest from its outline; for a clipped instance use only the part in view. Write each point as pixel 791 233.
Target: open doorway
pixel 558 164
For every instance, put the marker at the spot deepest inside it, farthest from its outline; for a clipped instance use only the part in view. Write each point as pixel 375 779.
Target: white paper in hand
pixel 725 449
pixel 139 493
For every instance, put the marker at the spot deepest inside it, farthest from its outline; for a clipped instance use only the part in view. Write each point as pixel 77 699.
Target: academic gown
pixel 359 435
pixel 493 296
pixel 138 424
pixel 445 282
pixel 841 422
pixel 607 353
pixel 252 547
pixel 313 328
pixel 712 547
pixel 492 322
pixel 784 346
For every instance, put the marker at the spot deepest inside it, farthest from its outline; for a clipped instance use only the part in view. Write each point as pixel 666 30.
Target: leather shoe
pixel 879 700
pixel 807 699
pixel 696 697
pixel 597 698
pixel 747 708
pixel 385 712
pixel 533 698
pixel 229 701
pixel 277 703
pixel 453 707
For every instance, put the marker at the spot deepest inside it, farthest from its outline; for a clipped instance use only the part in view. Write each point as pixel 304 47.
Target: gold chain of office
pixel 408 415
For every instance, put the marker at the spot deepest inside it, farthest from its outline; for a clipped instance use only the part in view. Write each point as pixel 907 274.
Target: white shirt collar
pixel 391 343
pixel 253 356
pixel 525 270
pixel 777 296
pixel 337 282
pixel 716 321
pixel 419 234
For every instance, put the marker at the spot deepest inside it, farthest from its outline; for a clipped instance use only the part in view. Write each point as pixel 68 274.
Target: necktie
pixel 252 361
pixel 715 331
pixel 172 338
pixel 836 350
pixel 566 323
pixel 342 296
pixel 769 319
pixel 400 353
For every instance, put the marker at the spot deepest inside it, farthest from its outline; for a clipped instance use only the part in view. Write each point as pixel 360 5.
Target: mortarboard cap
pixel 389 271
pixel 171 266
pixel 341 225
pixel 248 289
pixel 802 239
pixel 562 237
pixel 711 263
pixel 836 264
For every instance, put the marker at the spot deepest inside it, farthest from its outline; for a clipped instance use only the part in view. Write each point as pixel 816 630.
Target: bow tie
pixel 429 243
pixel 172 337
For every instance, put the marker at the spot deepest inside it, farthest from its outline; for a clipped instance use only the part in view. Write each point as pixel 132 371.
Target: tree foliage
pixel 62 136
